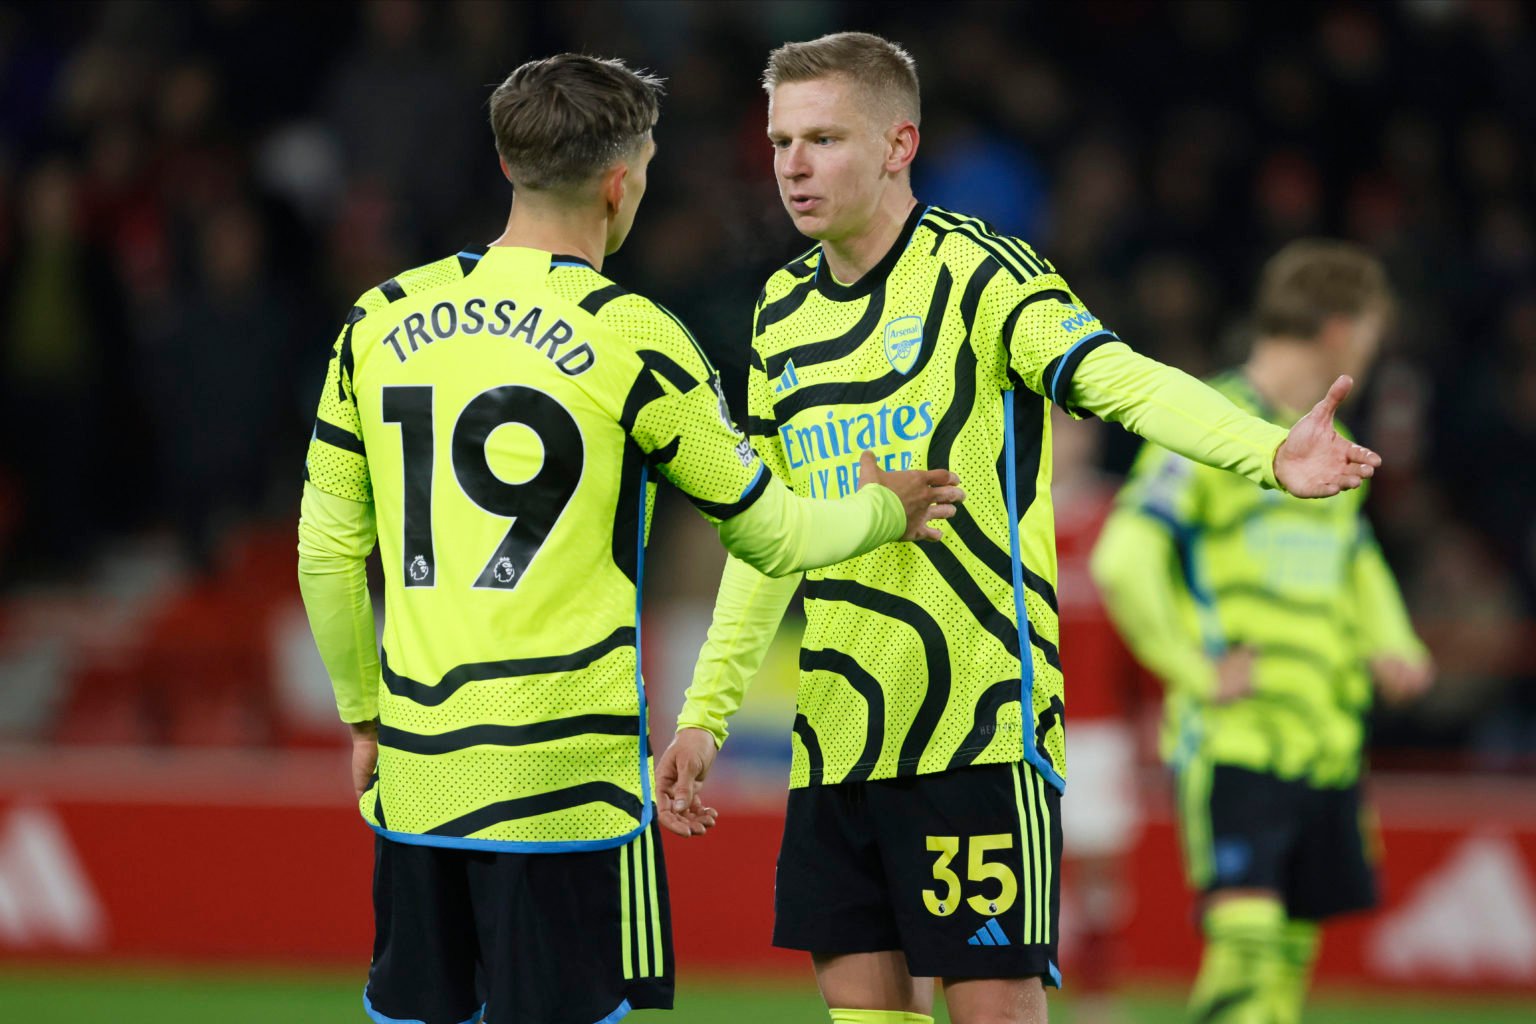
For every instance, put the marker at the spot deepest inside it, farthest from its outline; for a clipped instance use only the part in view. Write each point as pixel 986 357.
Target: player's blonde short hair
pixel 882 70
pixel 561 121
pixel 1312 279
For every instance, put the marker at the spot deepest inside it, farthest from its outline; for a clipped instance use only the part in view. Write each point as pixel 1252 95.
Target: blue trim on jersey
pixel 619 1013
pixel 471 255
pixel 761 466
pixel 1066 357
pixel 383 1019
pixel 645 773
pixel 569 263
pixel 1055 973
pixel 516 846
pixel 1026 651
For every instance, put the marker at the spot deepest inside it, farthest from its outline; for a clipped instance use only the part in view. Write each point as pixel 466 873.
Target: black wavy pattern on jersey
pixel 870 391
pixel 378 799
pixel 667 368
pixel 392 290
pixel 626 512
pixel 959 579
pixel 596 300
pixel 335 436
pixel 645 390
pixel 800 266
pixel 935 653
pixel 730 509
pixel 1054 712
pixel 784 306
pixel 666 453
pixel 866 686
pixel 829 286
pixel 1007 259
pixel 1058 373
pixel 832 349
pixel 430 696
pixel 814 761
pixel 759 426
pixel 345 366
pixel 1319 609
pixel 1049 294
pixel 509 735
pixel 987 237
pixel 755 359
pixel 1028 430
pixel 540 803
pixel 984 723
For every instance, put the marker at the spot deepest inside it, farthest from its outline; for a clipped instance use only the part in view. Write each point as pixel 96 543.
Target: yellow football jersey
pixel 506 411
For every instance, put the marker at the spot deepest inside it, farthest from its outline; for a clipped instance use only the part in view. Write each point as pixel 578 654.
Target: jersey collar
pixel 877 274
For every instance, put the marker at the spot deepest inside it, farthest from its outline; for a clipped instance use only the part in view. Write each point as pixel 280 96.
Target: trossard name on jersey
pixel 502 318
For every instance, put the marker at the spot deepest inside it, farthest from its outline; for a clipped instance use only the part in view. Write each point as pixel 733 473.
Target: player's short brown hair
pixel 1313 279
pixel 563 120
pixel 883 70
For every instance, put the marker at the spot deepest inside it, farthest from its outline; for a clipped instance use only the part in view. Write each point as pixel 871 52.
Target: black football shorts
pixel 1243 829
pixel 960 870
pixel 464 936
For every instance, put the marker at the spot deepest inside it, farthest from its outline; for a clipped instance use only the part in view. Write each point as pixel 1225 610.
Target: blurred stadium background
pixel 191 194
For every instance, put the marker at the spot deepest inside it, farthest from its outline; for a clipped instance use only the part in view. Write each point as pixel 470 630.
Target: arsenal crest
pixel 903 342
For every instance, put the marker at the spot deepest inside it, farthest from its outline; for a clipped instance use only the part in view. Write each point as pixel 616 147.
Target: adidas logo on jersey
pixel 989 934
pixel 788 379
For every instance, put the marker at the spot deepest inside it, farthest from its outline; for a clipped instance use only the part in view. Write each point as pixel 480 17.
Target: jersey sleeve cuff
pixel 748 497
pixel 1058 373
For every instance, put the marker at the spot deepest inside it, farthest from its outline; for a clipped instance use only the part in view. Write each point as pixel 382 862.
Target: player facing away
pixel 922 834
pixel 498 420
pixel 1267 619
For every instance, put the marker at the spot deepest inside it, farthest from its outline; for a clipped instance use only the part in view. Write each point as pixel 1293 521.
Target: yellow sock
pixel 1298 952
pixel 878 1017
pixel 1241 968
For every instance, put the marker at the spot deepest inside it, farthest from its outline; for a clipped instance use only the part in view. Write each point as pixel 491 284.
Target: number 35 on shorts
pixel 993 885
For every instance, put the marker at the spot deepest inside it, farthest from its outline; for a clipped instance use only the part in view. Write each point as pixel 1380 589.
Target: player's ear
pixel 614 182
pixel 901 146
pixel 505 173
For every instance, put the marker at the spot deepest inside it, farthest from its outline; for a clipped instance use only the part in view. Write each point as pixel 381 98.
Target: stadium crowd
pixel 192 194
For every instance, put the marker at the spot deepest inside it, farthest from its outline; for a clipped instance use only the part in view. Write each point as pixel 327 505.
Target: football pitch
pixel 121 997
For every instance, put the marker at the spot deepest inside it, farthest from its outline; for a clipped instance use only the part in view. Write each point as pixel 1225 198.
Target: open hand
pixel 926 494
pixel 679 777
pixel 1316 461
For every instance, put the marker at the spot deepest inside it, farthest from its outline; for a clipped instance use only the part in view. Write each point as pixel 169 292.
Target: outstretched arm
pixel 1178 412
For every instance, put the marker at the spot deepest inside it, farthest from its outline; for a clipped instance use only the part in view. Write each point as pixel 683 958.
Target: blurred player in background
pixel 1267 619
pixel 1101 820
pixel 495 420
pixel 923 831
